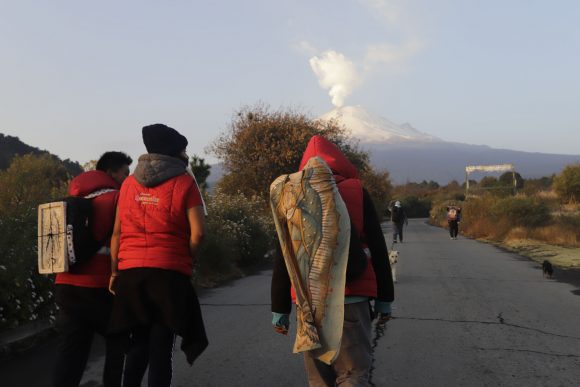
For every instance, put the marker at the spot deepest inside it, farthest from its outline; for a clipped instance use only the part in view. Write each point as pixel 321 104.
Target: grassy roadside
pixel 566 260
pixel 564 257
pixel 537 227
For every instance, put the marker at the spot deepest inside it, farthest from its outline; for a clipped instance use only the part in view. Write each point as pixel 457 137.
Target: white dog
pixel 393 259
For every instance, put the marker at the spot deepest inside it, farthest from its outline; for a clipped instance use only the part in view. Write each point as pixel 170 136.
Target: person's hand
pixel 281 323
pixel 112 283
pixel 282 329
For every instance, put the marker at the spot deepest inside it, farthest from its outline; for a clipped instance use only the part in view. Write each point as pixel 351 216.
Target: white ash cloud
pixel 340 75
pixel 336 73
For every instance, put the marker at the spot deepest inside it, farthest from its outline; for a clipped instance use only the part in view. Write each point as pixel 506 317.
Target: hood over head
pixel 327 151
pixel 153 169
pixel 91 181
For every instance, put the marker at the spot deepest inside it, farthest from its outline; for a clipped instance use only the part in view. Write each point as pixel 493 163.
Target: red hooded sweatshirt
pixel 95 272
pixel 351 190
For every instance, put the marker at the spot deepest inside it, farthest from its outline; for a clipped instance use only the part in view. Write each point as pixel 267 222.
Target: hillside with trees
pixel 12 146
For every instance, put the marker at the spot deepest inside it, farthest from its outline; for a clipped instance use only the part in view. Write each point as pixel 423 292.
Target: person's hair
pixel 113 161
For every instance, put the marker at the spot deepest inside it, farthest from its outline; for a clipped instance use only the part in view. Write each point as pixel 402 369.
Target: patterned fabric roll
pixel 313 227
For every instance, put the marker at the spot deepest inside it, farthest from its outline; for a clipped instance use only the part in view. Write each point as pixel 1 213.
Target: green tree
pixel 533 186
pixel 472 184
pixel 488 182
pixel 567 183
pixel 30 180
pixel 507 179
pixel 200 170
pixel 416 207
pixel 262 144
pixel 453 191
pixel 379 186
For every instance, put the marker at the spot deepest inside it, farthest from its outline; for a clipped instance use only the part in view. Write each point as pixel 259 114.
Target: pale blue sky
pixel 82 77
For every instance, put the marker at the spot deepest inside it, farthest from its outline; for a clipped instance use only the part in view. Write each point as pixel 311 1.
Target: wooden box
pixel 52 238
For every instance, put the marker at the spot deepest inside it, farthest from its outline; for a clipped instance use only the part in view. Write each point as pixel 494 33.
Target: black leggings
pixel 151 346
pixel 84 312
pixel 453 228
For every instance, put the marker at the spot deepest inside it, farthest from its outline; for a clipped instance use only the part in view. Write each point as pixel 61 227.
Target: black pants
pixel 151 346
pixel 397 230
pixel 453 228
pixel 82 313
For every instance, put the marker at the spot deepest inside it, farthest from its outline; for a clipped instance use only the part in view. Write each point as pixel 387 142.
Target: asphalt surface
pixel 466 314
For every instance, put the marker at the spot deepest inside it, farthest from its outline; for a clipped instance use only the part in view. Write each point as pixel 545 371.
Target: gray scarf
pixel 153 169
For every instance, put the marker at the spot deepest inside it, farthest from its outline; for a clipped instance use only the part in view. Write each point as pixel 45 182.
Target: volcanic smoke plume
pixel 336 73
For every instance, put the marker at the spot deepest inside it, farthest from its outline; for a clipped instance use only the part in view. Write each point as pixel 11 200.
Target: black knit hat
pixel 162 139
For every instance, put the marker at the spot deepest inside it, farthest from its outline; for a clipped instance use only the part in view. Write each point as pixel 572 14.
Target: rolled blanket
pixel 313 227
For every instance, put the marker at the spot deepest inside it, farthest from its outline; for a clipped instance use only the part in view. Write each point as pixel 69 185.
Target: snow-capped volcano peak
pixel 368 128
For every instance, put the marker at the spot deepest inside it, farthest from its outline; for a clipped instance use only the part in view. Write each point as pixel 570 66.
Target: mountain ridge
pixel 11 146
pixel 370 128
pixel 411 155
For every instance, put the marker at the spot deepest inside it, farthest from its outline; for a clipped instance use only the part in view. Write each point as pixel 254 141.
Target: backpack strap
pixel 99 193
pixel 104 250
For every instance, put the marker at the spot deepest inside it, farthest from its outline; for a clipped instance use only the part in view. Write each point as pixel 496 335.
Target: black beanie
pixel 162 139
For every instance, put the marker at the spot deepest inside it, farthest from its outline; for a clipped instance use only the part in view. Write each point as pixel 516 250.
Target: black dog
pixel 547 269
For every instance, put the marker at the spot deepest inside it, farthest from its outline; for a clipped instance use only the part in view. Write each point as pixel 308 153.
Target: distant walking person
pixel 158 230
pixel 81 293
pixel 399 218
pixel 453 219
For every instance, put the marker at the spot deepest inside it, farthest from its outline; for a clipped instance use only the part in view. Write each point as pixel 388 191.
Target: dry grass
pixel 547 195
pixel 554 234
pixel 558 235
pixel 566 257
pixel 538 227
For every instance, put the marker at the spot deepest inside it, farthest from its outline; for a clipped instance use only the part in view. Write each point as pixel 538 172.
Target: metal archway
pixel 489 168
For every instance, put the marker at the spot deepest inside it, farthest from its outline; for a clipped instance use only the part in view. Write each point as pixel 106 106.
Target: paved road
pixel 467 314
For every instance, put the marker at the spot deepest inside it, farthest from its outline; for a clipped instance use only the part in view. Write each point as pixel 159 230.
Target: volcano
pixel 413 156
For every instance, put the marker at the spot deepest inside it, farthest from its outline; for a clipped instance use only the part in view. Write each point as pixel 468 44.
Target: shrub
pixel 567 183
pixel 25 295
pixel 522 211
pixel 495 218
pixel 564 231
pixel 416 207
pixel 262 144
pixel 379 187
pixel 240 232
pixel 535 186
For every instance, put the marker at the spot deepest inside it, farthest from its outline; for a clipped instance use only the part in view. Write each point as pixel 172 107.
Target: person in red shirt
pixel 158 228
pixel 81 294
